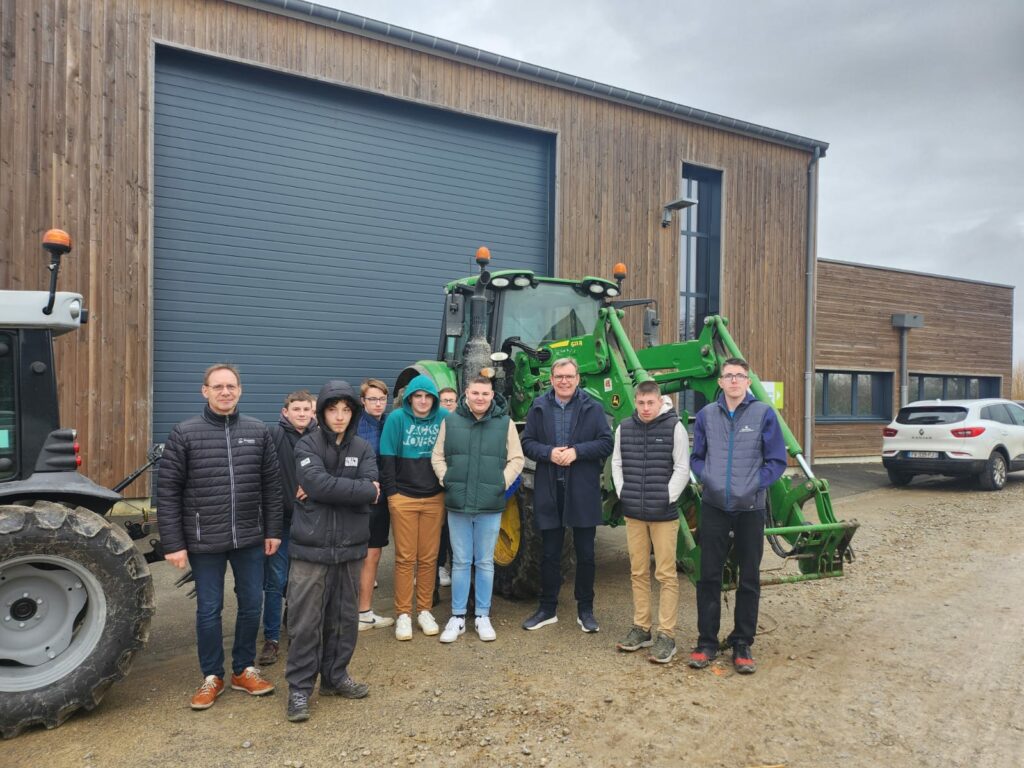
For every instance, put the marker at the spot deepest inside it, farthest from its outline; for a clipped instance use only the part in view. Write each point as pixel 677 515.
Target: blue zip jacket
pixel 736 457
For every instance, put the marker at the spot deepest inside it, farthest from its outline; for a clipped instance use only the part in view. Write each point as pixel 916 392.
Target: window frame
pixel 881 397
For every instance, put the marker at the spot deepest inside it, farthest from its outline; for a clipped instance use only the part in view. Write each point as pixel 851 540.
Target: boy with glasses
pixel 738 451
pixel 374 396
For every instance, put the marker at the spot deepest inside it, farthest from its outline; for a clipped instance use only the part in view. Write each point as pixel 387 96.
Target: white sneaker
pixel 484 630
pixel 456 626
pixel 444 577
pixel 371 620
pixel 403 627
pixel 427 623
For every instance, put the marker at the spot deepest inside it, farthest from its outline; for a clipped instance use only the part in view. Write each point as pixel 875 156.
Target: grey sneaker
pixel 635 639
pixel 349 689
pixel 663 651
pixel 298 707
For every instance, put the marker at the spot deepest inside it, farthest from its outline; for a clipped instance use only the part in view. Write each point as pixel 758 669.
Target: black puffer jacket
pixel 219 488
pixel 286 437
pixel 332 524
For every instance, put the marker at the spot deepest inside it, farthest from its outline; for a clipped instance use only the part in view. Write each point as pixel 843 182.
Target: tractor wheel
pixel 899 479
pixel 517 555
pixel 993 477
pixel 76 601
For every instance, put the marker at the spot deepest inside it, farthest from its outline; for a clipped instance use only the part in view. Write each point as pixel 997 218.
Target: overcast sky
pixel 921 102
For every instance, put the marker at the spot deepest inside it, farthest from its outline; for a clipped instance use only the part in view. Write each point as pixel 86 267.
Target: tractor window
pixel 8 463
pixel 549 312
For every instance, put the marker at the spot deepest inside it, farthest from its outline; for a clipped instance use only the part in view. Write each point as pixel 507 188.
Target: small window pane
pixel 972 389
pixel 819 394
pixel 932 388
pixel 914 387
pixel 1017 413
pixel 864 394
pixel 956 388
pixel 840 394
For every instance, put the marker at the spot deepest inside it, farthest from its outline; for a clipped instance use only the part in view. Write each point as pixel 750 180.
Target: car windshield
pixel 549 312
pixel 931 414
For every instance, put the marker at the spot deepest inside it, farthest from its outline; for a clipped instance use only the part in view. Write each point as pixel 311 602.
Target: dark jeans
pixel 718 531
pixel 209 570
pixel 551 562
pixel 323 622
pixel 275 578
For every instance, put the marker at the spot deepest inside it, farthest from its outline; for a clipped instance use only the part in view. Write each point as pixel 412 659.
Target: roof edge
pixel 916 272
pixel 408 38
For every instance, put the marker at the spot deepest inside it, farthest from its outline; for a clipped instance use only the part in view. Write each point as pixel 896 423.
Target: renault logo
pixel 920 431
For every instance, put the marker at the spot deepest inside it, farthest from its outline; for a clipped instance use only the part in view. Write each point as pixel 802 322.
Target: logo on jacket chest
pixel 746 428
pixel 247 441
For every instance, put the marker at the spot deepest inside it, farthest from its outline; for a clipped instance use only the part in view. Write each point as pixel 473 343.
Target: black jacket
pixel 286 437
pixel 219 487
pixel 332 525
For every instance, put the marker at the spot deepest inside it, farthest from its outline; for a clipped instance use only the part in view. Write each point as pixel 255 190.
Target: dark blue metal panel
pixel 304 231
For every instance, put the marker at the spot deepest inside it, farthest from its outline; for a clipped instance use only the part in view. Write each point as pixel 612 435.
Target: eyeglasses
pixel 224 387
pixel 734 377
pixel 563 377
pixel 375 400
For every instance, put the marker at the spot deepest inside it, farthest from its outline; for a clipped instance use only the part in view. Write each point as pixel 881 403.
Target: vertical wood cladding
pixel 76 79
pixel 968 329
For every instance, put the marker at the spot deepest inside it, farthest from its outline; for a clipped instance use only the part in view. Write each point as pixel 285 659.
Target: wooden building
pixel 963 349
pixel 289 186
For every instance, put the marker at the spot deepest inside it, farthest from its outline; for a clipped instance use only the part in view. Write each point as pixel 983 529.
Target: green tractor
pixel 76 596
pixel 512 324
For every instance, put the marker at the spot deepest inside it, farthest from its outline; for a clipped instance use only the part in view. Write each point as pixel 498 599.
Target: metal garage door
pixel 304 231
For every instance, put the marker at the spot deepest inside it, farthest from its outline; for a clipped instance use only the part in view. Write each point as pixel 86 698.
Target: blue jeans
pixel 473 538
pixel 208 570
pixel 275 577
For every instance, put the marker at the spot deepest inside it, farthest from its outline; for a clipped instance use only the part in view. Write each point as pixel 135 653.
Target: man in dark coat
pixel 329 536
pixel 220 502
pixel 568 436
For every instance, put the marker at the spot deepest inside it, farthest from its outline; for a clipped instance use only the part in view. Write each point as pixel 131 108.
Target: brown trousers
pixel 641 537
pixel 416 526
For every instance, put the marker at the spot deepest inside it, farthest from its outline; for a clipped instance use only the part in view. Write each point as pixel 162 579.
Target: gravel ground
pixel 906 661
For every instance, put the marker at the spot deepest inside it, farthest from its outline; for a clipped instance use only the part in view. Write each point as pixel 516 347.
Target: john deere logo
pixel 615 401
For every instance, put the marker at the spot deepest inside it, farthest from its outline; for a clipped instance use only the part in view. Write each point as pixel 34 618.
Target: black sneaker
pixel 587 621
pixel 349 689
pixel 298 707
pixel 635 639
pixel 540 618
pixel 742 660
pixel 701 656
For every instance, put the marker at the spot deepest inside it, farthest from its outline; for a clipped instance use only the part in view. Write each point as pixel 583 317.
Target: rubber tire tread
pixel 520 579
pixel 109 553
pixel 899 479
pixel 986 480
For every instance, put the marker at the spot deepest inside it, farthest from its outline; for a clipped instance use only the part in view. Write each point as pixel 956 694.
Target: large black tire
pixel 518 577
pixel 993 478
pixel 899 479
pixel 81 571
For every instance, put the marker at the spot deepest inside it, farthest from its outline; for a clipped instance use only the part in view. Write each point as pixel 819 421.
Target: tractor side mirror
pixel 651 323
pixel 454 315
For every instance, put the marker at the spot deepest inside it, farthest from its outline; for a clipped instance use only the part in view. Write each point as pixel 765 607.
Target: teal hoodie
pixel 407 442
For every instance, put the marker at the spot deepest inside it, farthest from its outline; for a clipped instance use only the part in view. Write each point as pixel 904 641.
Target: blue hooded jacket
pixel 407 442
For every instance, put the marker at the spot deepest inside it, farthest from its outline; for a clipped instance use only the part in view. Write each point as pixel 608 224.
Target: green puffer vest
pixel 476 451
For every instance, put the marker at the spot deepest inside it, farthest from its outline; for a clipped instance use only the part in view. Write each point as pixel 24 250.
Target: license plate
pixel 922 454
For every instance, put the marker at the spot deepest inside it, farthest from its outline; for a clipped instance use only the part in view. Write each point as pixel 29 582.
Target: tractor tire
pixel 993 477
pixel 899 479
pixel 76 601
pixel 518 577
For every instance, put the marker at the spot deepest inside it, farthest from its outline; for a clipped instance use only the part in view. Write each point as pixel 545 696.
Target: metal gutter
pixel 360 25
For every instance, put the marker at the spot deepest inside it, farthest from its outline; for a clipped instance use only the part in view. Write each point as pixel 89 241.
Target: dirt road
pixel 910 660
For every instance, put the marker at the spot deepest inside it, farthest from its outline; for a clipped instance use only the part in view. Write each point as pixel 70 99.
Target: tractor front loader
pixel 76 596
pixel 513 324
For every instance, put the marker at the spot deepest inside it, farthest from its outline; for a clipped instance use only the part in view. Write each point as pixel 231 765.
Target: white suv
pixel 983 438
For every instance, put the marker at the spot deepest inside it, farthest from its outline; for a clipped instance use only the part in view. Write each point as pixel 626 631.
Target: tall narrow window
pixel 699 250
pixel 700 242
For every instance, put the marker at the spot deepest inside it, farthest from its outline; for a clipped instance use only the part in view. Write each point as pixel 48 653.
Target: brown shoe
pixel 252 682
pixel 208 692
pixel 268 655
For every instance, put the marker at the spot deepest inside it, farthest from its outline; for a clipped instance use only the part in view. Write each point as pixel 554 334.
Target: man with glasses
pixel 738 451
pixel 568 436
pixel 371 423
pixel 220 502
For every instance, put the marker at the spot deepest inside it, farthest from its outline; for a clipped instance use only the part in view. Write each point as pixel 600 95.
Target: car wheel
pixel 993 478
pixel 899 479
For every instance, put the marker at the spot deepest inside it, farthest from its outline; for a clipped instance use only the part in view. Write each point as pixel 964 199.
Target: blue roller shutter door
pixel 304 231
